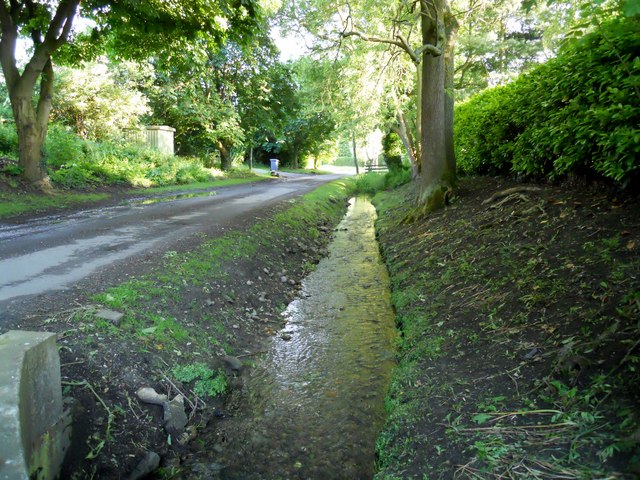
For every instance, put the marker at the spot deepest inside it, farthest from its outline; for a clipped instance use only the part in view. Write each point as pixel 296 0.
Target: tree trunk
pixel 31 125
pixel 294 159
pixel 355 156
pixel 451 29
pixel 418 126
pixel 225 156
pixel 407 140
pixel 31 137
pixel 436 175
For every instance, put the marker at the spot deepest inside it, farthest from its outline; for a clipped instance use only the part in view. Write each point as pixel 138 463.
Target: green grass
pixel 201 185
pixel 15 204
pixel 304 170
pixel 373 182
pixel 206 382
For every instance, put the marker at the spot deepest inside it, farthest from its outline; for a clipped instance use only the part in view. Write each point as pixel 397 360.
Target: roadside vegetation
pixel 86 171
pixel 575 115
pixel 518 304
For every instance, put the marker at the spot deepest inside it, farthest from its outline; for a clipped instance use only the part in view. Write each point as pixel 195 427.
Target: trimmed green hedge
pixel 576 114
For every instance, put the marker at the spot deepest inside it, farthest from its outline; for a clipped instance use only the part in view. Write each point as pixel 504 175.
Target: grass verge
pixel 519 335
pixel 308 171
pixel 16 201
pixel 12 204
pixel 202 185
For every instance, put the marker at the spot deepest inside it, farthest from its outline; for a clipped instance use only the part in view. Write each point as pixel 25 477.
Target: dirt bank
pixel 519 308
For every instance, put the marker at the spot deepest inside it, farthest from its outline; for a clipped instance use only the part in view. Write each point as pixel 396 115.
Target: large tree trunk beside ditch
pixel 451 29
pixel 438 170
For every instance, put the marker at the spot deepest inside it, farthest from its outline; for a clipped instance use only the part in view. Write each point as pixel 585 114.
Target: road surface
pixel 46 256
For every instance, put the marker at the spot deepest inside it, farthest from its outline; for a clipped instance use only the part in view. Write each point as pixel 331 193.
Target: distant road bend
pixel 56 253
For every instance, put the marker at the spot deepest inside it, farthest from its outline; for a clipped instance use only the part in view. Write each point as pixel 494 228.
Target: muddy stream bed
pixel 312 406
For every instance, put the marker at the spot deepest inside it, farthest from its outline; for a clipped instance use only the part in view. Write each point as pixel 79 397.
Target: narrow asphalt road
pixel 45 256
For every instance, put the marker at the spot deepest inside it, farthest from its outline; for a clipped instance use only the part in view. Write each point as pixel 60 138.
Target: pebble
pixel 149 395
pixel 148 464
pixel 174 415
pixel 233 363
pixel 110 315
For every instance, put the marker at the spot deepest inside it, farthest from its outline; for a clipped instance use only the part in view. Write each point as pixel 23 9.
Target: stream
pixel 312 406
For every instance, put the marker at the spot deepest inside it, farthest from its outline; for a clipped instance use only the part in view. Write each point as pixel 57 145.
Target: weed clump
pixel 206 381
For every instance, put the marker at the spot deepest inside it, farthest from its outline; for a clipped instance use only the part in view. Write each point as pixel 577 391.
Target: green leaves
pixel 208 383
pixel 576 114
pixel 631 8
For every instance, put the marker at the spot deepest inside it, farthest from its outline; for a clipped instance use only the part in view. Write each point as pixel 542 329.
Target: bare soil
pixel 519 307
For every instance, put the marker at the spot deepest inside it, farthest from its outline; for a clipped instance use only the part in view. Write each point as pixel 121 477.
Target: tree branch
pixel 399 42
pixel 61 24
pixel 5 17
pixel 430 49
pixel 440 34
pixel 46 93
pixel 8 47
pixel 36 33
pixel 56 36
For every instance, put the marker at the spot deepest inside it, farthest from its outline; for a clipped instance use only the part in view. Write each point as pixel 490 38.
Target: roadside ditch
pixel 188 327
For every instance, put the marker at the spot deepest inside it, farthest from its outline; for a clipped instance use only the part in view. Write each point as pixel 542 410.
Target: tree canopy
pixel 130 28
pixel 212 71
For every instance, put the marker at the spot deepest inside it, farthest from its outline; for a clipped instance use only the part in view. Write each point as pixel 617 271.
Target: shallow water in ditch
pixel 313 405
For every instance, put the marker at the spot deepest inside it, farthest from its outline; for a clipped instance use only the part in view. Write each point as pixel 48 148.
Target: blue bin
pixel 274 164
